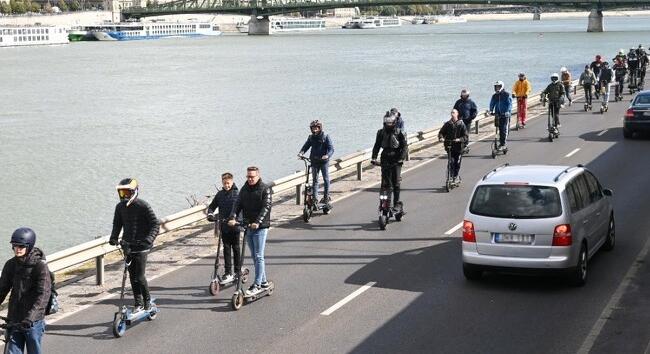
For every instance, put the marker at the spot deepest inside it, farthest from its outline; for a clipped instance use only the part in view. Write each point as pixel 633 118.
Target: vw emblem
pixel 512 226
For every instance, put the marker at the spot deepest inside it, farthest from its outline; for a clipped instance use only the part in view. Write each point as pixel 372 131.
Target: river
pixel 176 113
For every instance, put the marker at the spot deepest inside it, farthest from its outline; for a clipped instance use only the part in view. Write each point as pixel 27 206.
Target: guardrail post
pixel 299 194
pixel 476 127
pixel 359 171
pixel 99 265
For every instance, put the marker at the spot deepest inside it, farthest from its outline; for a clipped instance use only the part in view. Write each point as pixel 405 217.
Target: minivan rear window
pixel 516 201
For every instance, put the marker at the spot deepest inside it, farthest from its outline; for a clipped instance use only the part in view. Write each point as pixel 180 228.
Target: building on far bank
pixel 344 12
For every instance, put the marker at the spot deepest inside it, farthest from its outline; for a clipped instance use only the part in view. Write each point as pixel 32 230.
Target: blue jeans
pixel 256 241
pixel 315 170
pixel 504 127
pixel 19 338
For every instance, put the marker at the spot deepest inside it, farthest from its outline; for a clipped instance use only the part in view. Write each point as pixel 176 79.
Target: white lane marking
pixel 647 350
pixel 348 298
pixel 572 152
pixel 613 301
pixel 453 229
pixel 602 133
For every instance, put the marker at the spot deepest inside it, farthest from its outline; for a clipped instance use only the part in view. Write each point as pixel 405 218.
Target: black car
pixel 637 117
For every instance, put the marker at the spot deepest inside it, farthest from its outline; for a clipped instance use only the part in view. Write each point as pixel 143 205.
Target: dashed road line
pixel 572 152
pixel 348 298
pixel 602 133
pixel 454 229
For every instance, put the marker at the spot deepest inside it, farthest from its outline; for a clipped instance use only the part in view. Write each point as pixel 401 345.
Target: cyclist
pixel 554 94
pixel 596 66
pixel 322 150
pixel 520 90
pixel 392 143
pixel 500 107
pixel 454 134
pixel 587 81
pixel 620 70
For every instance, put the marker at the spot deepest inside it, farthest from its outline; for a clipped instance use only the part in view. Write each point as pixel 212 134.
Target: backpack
pixel 53 304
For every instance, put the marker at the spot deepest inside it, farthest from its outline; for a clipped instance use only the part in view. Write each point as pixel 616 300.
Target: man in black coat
pixel 28 278
pixel 254 202
pixel 222 204
pixel 467 111
pixel 454 135
pixel 140 225
pixel 392 142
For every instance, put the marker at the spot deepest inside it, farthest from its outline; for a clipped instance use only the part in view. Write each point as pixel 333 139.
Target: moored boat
pixel 20 36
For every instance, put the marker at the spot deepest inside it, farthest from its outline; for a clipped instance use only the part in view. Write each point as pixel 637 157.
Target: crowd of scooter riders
pixel 29 282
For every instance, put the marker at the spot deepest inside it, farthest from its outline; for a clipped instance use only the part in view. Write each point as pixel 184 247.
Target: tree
pixel 388 11
pixel 36 7
pixel 75 6
pixel 18 7
pixel 47 8
pixel 62 5
pixel 5 8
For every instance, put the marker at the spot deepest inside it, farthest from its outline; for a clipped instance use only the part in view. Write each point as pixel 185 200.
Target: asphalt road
pixel 419 300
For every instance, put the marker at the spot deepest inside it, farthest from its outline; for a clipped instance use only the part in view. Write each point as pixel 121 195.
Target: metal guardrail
pixel 97 249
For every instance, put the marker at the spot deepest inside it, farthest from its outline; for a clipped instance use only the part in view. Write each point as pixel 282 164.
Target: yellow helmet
pixel 127 190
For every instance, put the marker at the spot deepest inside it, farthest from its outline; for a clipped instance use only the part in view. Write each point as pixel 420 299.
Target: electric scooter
pixel 633 81
pixel 385 211
pixel 553 131
pixel 310 203
pixel 9 328
pixel 239 298
pixel 587 105
pixel 217 274
pixel 619 90
pixel 450 183
pixel 495 144
pixel 125 316
pixel 605 93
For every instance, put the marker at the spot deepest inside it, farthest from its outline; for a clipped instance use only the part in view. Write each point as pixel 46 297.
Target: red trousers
pixel 522 107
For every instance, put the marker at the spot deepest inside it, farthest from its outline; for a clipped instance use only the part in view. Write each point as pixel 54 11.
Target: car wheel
pixel 627 133
pixel 472 272
pixel 578 275
pixel 611 235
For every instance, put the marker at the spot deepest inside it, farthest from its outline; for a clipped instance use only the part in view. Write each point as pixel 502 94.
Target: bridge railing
pixel 350 164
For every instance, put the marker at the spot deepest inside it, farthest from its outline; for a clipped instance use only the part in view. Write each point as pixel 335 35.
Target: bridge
pixel 260 10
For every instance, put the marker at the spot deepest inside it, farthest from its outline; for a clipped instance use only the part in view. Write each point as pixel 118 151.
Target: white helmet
pixel 555 77
pixel 498 84
pixel 563 69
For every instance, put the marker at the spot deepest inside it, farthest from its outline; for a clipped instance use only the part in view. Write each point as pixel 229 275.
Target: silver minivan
pixel 537 217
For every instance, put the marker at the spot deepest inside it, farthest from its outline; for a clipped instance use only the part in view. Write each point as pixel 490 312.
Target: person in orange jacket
pixel 520 90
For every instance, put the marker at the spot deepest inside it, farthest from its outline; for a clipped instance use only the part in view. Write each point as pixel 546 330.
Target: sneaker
pixel 137 308
pixel 559 125
pixel 265 285
pixel 228 278
pixel 326 200
pixel 147 306
pixel 253 289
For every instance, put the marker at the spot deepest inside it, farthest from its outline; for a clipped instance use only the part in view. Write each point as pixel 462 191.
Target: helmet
pixel 498 84
pixel 522 75
pixel 24 236
pixel 127 189
pixel 563 69
pixel 316 123
pixel 389 119
pixel 555 77
pixel 586 66
pixel 621 52
pixel 464 92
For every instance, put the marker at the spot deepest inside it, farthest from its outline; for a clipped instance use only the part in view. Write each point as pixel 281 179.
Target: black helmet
pixel 316 123
pixel 24 236
pixel 127 189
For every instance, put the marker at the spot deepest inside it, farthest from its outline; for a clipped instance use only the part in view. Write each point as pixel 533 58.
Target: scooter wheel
pixel 505 151
pixel 244 278
pixel 306 214
pixel 550 138
pixel 153 315
pixel 326 211
pixel 494 154
pixel 448 186
pixel 398 217
pixel 214 288
pixel 383 220
pixel 119 327
pixel 237 300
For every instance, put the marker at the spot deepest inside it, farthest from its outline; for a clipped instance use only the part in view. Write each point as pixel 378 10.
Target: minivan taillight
pixel 629 114
pixel 562 235
pixel 468 231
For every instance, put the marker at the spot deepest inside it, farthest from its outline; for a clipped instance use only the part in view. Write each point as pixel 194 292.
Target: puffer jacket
pixel 30 285
pixel 522 88
pixel 451 131
pixel 606 75
pixel 392 143
pixel 320 146
pixel 139 222
pixel 501 103
pixel 254 202
pixel 223 202
pixel 467 109
pixel 554 92
pixel 587 78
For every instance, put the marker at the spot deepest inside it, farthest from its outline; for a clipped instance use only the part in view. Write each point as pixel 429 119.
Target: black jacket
pixel 467 109
pixel 554 92
pixel 30 285
pixel 139 222
pixel 320 146
pixel 392 144
pixel 255 204
pixel 606 75
pixel 224 201
pixel 451 131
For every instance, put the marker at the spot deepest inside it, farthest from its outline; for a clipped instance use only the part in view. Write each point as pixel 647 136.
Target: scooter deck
pixel 258 295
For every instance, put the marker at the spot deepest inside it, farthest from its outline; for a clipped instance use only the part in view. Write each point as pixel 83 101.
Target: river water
pixel 176 113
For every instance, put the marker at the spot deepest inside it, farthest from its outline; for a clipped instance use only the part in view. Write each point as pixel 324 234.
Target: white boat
pixel 354 23
pixel 242 27
pixel 417 20
pixel 153 30
pixel 445 19
pixel 379 22
pixel 297 24
pixel 19 36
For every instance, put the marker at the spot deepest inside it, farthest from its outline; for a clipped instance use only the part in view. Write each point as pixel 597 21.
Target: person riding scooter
pixel 322 150
pixel 392 142
pixel 222 204
pixel 554 93
pixel 454 135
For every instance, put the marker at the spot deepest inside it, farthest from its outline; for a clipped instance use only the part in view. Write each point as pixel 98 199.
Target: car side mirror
pixel 607 192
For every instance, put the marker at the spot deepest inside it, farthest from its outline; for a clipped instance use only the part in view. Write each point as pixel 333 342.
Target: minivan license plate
pixel 513 238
